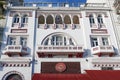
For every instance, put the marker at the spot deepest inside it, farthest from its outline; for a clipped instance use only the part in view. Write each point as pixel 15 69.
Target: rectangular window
pixel 106 68
pixel 23 41
pixel 94 42
pixel 91 20
pixel 105 41
pixel 16 20
pixel 12 41
pixel 25 20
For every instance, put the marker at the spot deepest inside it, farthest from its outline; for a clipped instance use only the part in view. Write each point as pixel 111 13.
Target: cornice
pixel 59 8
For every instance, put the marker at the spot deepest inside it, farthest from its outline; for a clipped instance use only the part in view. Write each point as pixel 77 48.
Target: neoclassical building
pixel 59 38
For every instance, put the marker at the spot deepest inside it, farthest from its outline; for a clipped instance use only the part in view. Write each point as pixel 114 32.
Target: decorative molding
pixel 106 65
pixel 57 13
pixel 21 13
pixel 14 64
pixel 99 31
pixel 18 30
pixel 96 13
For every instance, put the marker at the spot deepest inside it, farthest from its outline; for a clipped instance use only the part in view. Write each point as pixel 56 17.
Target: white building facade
pixel 57 40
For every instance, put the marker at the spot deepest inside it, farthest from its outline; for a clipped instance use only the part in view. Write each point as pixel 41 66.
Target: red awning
pixel 60 77
pixel 90 75
pixel 104 74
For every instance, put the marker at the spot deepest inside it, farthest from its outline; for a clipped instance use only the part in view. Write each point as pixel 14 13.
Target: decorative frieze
pixel 15 65
pixel 107 65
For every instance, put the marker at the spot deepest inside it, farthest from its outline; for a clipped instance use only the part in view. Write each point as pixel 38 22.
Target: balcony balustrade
pixel 19 25
pixel 16 25
pixel 93 25
pixel 16 50
pixel 42 48
pixel 24 25
pixel 59 26
pixel 103 50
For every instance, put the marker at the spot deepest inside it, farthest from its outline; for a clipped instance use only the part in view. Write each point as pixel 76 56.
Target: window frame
pixel 91 19
pixel 94 42
pixel 25 19
pixel 16 19
pixel 100 19
pixel 23 41
pixel 105 41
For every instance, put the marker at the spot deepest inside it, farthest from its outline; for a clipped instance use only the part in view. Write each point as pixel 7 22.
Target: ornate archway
pixel 13 75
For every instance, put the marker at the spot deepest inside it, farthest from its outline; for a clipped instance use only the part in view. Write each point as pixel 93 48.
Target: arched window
pixel 25 19
pixel 16 19
pixel 58 40
pixel 41 19
pixel 100 19
pixel 58 19
pixel 49 19
pixel 75 19
pixel 91 19
pixel 67 19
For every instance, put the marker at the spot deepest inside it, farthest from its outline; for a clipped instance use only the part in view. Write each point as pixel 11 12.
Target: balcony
pixel 20 50
pixel 43 48
pixel 103 50
pixel 19 25
pixel 24 25
pixel 16 25
pixel 93 25
pixel 75 26
pixel 51 51
pixel 19 28
pixel 97 26
pixel 59 26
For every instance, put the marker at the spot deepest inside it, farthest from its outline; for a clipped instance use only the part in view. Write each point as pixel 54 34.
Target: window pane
pixel 16 19
pixel 49 19
pixel 67 19
pixel 100 20
pixel 75 20
pixel 94 42
pixel 41 19
pixel 23 41
pixel 25 19
pixel 105 41
pixel 12 41
pixel 91 19
pixel 58 19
